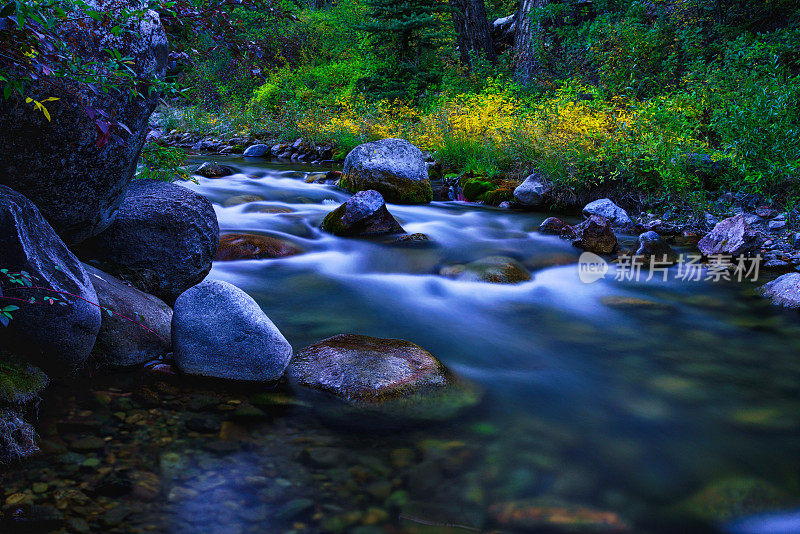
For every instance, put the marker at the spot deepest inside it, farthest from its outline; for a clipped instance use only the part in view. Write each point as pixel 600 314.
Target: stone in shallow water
pixel 493 269
pixel 394 167
pixel 386 376
pixel 543 516
pixel 219 331
pixel 211 169
pixel 241 199
pixel 363 214
pixel 783 291
pixel 253 247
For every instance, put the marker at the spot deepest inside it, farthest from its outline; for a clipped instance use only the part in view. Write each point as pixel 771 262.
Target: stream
pixel 626 397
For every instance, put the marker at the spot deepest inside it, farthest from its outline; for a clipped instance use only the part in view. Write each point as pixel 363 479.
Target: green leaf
pixel 4 320
pixel 9 309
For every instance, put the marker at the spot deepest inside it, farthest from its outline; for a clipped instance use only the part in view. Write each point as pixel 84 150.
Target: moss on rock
pixel 20 382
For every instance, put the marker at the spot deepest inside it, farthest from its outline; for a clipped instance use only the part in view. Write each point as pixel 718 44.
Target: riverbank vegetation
pixel 673 98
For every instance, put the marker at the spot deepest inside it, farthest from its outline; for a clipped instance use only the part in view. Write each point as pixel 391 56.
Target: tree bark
pixel 474 38
pixel 525 40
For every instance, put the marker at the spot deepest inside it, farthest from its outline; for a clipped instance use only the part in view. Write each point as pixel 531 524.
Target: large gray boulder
pixel 783 291
pixel 534 192
pixel 732 236
pixel 56 337
pixel 363 214
pixel 393 167
pixel 163 240
pixel 63 165
pixel 219 331
pixel 138 330
pixel 609 211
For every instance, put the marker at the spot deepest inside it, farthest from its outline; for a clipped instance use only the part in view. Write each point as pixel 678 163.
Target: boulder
pixel 783 291
pixel 63 165
pixel 253 247
pixel 393 167
pixel 608 210
pixel 363 214
pixel 493 269
pixel 256 151
pixel 59 337
pixel 211 169
pixel 594 235
pixel 732 236
pixel 138 330
pixel 163 240
pixel 552 226
pixel 534 192
pixel 652 245
pixel 385 375
pixel 219 331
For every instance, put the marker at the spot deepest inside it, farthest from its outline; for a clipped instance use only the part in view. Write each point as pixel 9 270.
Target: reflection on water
pixel 654 401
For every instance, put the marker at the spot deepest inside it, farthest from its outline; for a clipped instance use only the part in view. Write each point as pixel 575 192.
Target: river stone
pixel 552 226
pixel 57 338
pixel 253 247
pixel 732 236
pixel 554 517
pixel 163 241
pixel 211 169
pixel 363 214
pixel 393 167
pixel 783 291
pixel 76 181
pixel 608 210
pixel 219 331
pixel 493 269
pixel 652 245
pixel 534 192
pixel 122 342
pixel 380 377
pixel 595 235
pixel 256 151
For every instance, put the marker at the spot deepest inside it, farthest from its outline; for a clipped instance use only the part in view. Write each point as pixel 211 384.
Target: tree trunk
pixel 525 41
pixel 474 38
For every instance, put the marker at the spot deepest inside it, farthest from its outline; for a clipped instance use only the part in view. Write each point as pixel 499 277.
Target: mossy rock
pixel 475 188
pixel 370 380
pixel 498 196
pixel 393 167
pixel 20 382
pixel 492 269
pixel 395 191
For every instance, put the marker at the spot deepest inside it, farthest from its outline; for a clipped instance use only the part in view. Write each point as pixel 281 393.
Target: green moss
pixel 498 196
pixel 475 188
pixel 20 382
pixel 399 192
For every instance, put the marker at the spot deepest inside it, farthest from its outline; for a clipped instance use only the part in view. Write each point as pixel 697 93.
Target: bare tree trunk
pixel 525 41
pixel 472 30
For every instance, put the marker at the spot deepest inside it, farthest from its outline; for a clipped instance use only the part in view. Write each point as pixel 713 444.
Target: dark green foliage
pixel 405 35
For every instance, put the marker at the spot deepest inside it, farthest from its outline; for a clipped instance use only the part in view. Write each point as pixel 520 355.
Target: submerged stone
pixel 382 376
pixel 253 247
pixel 555 517
pixel 735 497
pixel 493 269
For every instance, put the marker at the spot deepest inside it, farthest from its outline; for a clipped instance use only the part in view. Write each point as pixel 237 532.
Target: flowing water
pixel 617 396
